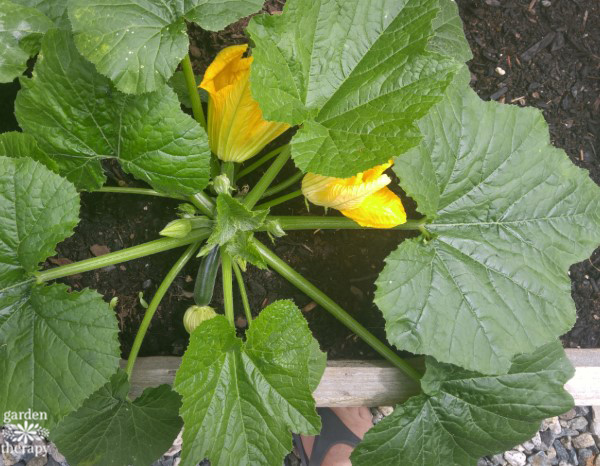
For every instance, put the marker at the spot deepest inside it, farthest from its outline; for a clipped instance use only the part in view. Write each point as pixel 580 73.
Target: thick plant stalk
pixel 227 286
pixel 279 200
pixel 242 288
pixel 153 306
pixel 260 162
pixel 144 191
pixel 283 185
pixel 124 255
pixel 204 204
pixel 321 298
pixel 263 184
pixel 300 222
pixel 192 88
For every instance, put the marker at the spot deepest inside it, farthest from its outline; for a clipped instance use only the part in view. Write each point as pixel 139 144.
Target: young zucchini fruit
pixel 205 280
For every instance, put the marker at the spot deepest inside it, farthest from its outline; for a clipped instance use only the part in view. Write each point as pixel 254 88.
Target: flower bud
pixel 222 184
pixel 274 228
pixel 177 228
pixel 195 315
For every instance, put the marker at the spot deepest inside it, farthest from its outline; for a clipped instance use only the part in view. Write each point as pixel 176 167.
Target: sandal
pixel 333 432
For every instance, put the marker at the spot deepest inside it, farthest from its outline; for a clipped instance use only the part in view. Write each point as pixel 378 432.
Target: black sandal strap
pixel 333 432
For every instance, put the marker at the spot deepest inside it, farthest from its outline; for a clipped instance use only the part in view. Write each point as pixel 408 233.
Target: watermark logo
pixel 25 433
pixel 22 434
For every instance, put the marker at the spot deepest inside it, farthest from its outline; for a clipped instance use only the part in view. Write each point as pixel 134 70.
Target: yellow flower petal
pixel 236 128
pixel 344 193
pixel 382 209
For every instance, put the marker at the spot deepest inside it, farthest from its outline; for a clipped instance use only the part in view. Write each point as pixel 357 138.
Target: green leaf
pixel 111 430
pixel 79 119
pixel 510 214
pixel 449 36
pixel 356 75
pixel 316 365
pixel 13 144
pixel 241 400
pixel 139 43
pixel 20 30
pixel 233 230
pixel 177 83
pixel 38 210
pixel 464 415
pixel 56 348
pixel 56 10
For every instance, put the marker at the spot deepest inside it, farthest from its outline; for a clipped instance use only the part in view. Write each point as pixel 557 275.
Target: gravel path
pixel 572 439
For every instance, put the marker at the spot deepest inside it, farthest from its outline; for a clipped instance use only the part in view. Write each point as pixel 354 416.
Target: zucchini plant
pixel 366 86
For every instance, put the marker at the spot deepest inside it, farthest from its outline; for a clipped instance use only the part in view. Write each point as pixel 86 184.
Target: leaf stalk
pixel 192 88
pixel 156 299
pixel 322 299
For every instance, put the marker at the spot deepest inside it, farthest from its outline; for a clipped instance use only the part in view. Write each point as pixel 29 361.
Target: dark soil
pixel 562 78
pixel 550 52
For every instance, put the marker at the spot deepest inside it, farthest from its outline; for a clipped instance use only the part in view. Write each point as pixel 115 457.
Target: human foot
pixel 355 422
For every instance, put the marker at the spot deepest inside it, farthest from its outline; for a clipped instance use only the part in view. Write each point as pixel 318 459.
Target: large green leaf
pixel 464 415
pixel 356 74
pixel 510 213
pixel 110 430
pixel 241 400
pixel 56 10
pixel 20 30
pixel 449 36
pixel 79 119
pixel 13 144
pixel 139 43
pixel 56 348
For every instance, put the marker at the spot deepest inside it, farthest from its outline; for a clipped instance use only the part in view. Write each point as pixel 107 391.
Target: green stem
pixel 321 298
pixel 156 299
pixel 265 181
pixel 242 288
pixel 260 162
pixel 192 88
pixel 228 168
pixel 279 200
pixel 283 185
pixel 124 190
pixel 135 252
pixel 227 286
pixel 333 223
pixel 203 203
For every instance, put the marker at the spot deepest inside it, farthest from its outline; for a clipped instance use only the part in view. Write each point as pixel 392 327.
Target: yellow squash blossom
pixel 236 128
pixel 364 198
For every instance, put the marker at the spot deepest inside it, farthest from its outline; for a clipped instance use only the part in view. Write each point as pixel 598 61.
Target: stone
pixel 568 433
pixel 551 454
pixel 53 451
pixel 528 446
pixel 565 463
pixel 584 454
pixel 554 426
pixel 578 423
pixel 595 427
pixel 38 461
pixel 570 414
pixel 584 440
pixel 547 437
pixel 597 463
pixel 515 458
pixel 537 441
pixel 498 459
pixel 561 452
pixel 386 410
pixel 539 459
pixel 582 410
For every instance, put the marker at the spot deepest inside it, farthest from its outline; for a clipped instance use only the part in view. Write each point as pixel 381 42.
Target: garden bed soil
pixel 549 56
